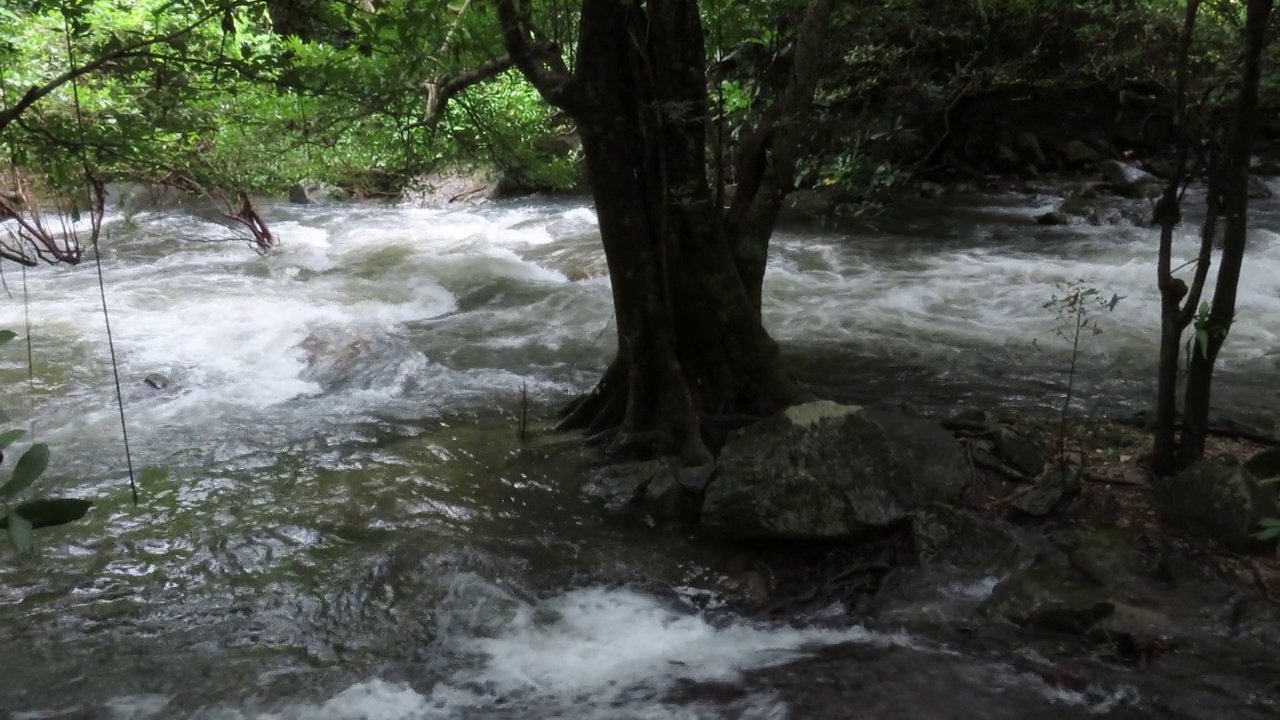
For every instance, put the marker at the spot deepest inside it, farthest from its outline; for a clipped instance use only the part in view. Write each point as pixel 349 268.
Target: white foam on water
pixel 594 654
pixel 190 300
pixel 929 296
pixel 589 653
pixel 604 641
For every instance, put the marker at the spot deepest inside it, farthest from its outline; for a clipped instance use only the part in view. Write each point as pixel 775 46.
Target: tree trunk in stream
pixel 686 274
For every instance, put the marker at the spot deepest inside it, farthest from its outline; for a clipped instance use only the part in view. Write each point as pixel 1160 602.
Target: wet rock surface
pixel 828 471
pixel 1087 624
pixel 652 488
pixel 951 538
pixel 1223 502
pixel 1130 181
pixel 1017 610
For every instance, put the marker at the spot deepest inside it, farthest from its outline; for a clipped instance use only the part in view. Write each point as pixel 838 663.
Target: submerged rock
pixel 1029 145
pixel 652 486
pixel 827 471
pixel 1270 168
pixel 1130 181
pixel 1053 217
pixel 1258 189
pixel 1079 152
pixel 156 381
pixel 1224 502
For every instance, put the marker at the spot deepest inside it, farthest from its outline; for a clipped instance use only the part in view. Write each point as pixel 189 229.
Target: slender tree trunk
pixel 1234 202
pixel 692 350
pixel 1174 316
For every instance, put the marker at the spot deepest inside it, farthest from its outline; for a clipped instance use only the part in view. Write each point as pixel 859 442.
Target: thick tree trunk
pixel 1235 203
pixel 687 277
pixel 691 346
pixel 690 340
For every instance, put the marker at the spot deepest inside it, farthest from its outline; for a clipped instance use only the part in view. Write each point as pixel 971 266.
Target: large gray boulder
pixel 1224 502
pixel 824 471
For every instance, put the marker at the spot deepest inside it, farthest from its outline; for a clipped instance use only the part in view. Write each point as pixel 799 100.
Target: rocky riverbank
pixel 1062 555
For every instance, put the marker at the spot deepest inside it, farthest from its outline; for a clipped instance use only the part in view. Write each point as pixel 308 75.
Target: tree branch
pixel 439 93
pixel 767 155
pixel 540 63
pixel 35 94
pixel 766 163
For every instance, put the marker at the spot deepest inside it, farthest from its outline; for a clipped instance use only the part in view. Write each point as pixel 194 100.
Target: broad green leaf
pixel 10 437
pixel 51 512
pixel 1271 533
pixel 6 336
pixel 20 534
pixel 29 467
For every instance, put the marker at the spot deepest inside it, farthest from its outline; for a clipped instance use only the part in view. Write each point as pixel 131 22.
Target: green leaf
pixel 50 512
pixel 8 438
pixel 1202 339
pixel 6 336
pixel 1270 530
pixel 29 467
pixel 20 534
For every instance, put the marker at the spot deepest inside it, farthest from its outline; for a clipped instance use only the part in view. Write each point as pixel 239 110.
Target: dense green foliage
pixel 227 102
pixel 255 96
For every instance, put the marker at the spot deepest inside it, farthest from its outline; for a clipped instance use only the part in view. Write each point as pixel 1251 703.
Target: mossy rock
pixel 949 537
pixel 1223 502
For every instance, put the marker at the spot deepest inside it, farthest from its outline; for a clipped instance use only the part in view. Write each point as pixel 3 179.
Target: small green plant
pixel 1075 305
pixel 19 519
pixel 1269 528
pixel 1201 331
pixel 1270 531
pixel 522 413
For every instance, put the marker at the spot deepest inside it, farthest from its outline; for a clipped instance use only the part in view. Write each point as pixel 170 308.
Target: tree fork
pixel 1234 208
pixel 691 343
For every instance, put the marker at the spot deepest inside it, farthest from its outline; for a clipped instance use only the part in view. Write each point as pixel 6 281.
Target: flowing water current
pixel 345 527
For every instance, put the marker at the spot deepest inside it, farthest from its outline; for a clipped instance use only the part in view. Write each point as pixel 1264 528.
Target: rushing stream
pixel 347 528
